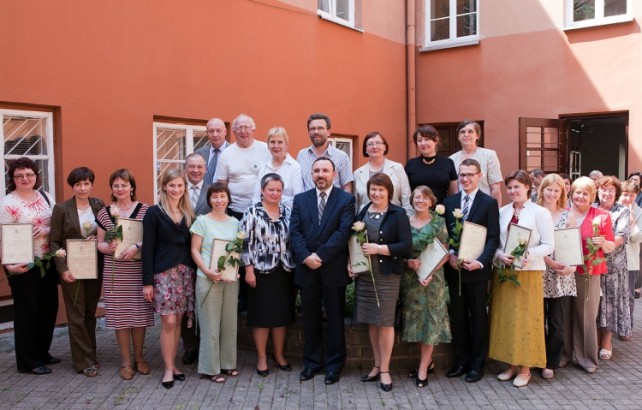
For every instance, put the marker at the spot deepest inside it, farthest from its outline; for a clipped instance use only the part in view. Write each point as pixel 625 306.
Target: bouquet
pixel 360 233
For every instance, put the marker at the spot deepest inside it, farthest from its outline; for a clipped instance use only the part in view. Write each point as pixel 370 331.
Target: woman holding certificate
pixel 216 298
pixel 268 261
pixel 125 308
pixel 516 314
pixel 559 281
pixel 425 314
pixel 168 266
pixel 615 314
pixel 376 291
pixel 75 219
pixel 34 292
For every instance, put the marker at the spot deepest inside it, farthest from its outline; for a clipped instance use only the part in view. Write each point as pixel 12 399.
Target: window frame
pixel 345 139
pixel 452 40
pixel 598 20
pixel 48 180
pixel 331 14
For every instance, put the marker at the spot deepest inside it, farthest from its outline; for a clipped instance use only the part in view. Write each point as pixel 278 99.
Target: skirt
pixel 366 309
pixel 271 302
pixel 174 292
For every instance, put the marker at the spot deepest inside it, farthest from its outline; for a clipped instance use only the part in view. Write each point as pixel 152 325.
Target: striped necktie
pixel 322 195
pixel 194 196
pixel 466 208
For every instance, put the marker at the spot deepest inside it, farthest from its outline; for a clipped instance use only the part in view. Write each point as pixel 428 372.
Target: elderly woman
pixel 376 293
pixel 35 297
pixel 283 164
pixel 516 314
pixel 375 148
pixel 614 315
pixel 596 230
pixel 630 191
pixel 429 169
pixel 267 257
pixel 425 314
pixel 559 281
pixel 125 307
pixel 76 219
pixel 168 267
pixel 216 299
pixel 468 134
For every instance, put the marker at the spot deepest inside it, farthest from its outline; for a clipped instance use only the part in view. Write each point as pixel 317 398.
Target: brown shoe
pixel 126 372
pixel 142 367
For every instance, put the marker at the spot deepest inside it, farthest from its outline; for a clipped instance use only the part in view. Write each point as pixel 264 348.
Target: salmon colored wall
pixel 544 73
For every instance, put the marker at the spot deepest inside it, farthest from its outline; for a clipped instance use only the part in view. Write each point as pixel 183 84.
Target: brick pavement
pixel 617 384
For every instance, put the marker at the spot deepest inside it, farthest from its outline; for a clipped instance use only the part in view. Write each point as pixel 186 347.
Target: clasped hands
pixel 467 264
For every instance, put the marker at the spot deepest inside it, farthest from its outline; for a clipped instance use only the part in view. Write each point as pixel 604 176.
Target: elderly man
pixel 216 133
pixel 319 131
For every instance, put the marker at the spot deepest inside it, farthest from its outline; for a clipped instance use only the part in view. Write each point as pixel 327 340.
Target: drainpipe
pixel 411 96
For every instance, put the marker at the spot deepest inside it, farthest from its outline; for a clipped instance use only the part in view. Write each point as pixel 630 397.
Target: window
pixel 345 144
pixel 587 13
pixel 339 11
pixel 449 140
pixel 542 144
pixel 174 142
pixel 451 23
pixel 29 134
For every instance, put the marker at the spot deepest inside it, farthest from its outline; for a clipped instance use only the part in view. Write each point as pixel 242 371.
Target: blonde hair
pixel 585 183
pixel 183 203
pixel 278 131
pixel 549 180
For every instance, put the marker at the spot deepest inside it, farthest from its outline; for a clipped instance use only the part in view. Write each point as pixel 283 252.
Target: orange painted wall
pixel 527 66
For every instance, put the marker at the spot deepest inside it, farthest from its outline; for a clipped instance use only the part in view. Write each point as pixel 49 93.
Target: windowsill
pixel 450 44
pixel 598 23
pixel 325 16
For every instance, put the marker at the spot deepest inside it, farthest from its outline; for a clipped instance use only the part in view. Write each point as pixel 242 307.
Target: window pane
pixel 467 25
pixel 25 136
pixel 170 144
pixel 200 139
pixel 324 5
pixel 466 6
pixel 614 7
pixel 439 30
pixel 343 9
pixel 583 10
pixel 439 9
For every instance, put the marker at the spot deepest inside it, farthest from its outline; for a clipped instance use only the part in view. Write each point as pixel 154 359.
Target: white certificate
pixel 218 249
pixel 132 233
pixel 568 247
pixel 82 258
pixel 432 258
pixel 17 243
pixel 516 234
pixel 473 240
pixel 359 262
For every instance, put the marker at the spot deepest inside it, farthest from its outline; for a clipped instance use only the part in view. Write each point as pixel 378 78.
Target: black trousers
pixel 35 305
pixel 557 312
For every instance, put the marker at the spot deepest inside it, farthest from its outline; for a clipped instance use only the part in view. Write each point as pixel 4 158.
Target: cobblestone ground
pixel 617 384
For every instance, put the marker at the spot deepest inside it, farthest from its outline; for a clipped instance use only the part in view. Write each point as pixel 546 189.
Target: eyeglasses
pixel 374 144
pixel 120 186
pixel 462 176
pixel 243 128
pixel 24 176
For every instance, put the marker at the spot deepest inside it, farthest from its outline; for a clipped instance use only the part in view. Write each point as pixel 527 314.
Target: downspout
pixel 411 97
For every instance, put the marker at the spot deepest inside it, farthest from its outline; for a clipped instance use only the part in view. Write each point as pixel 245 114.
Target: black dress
pixel 436 176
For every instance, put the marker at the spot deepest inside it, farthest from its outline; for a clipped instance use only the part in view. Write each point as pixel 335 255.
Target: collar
pixel 327 192
pixel 220 149
pixel 199 185
pixel 471 195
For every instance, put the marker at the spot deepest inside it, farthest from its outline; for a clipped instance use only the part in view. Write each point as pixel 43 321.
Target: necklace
pixel 375 216
pixel 429 160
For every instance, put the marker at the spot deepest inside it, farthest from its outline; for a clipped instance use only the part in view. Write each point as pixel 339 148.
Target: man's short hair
pixel 471 162
pixel 319 116
pixel 323 159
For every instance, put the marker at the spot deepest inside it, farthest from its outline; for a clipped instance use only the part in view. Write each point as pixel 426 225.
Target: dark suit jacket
pixel 484 211
pixel 329 239
pixel 66 225
pixel 394 232
pixel 202 207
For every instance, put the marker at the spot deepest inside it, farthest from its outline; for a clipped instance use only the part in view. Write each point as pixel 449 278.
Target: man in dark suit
pixel 216 132
pixel 468 314
pixel 320 227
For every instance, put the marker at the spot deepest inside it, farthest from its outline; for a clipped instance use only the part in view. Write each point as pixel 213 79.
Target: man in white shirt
pixel 216 132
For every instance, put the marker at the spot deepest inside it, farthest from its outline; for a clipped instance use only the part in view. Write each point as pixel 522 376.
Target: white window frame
pixel 348 141
pixel 189 147
pixel 331 14
pixel 599 19
pixel 452 40
pixel 49 180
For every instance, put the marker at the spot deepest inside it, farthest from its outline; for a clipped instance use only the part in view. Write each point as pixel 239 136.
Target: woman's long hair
pixel 183 203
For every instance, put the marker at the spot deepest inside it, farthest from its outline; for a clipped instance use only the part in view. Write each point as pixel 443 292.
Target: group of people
pixel 287 224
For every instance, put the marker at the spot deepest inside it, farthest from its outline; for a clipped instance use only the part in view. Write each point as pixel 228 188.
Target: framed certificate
pixel 359 262
pixel 17 243
pixel 473 240
pixel 132 233
pixel 82 258
pixel 432 258
pixel 516 234
pixel 218 249
pixel 568 247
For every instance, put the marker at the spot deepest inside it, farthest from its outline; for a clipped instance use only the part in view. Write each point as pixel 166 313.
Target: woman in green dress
pixel 425 314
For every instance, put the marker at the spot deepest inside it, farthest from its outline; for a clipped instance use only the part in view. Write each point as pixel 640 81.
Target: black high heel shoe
pixel 168 385
pixel 385 387
pixel 431 369
pixel 421 382
pixel 285 367
pixel 179 376
pixel 367 378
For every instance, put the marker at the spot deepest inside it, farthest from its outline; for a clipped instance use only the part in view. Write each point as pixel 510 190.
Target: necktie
pixel 194 195
pixel 321 205
pixel 466 208
pixel 211 167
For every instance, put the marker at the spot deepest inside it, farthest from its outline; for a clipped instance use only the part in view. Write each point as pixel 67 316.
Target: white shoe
pixel 507 374
pixel 548 374
pixel 522 380
pixel 606 354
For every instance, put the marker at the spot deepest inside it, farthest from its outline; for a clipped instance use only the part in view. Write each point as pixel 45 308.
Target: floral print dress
pixel 556 285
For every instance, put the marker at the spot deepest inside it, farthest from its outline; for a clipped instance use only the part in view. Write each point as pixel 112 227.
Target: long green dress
pixel 425 314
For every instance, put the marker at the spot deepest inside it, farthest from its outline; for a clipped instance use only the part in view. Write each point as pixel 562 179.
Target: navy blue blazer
pixel 329 240
pixel 484 211
pixel 394 232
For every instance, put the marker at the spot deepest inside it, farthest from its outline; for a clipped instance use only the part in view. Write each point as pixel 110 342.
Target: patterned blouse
pixel 267 241
pixel 556 285
pixel 15 210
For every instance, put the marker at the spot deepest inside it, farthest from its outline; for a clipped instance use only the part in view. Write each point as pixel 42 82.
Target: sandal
pixel 142 367
pixel 218 378
pixel 126 372
pixel 606 354
pixel 431 370
pixel 91 371
pixel 230 372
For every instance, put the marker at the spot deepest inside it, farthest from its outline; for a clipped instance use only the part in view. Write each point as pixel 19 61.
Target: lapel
pixel 475 205
pixel 200 202
pixel 330 204
pixel 72 212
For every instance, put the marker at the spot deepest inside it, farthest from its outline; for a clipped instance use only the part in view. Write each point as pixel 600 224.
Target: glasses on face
pixel 120 186
pixel 28 175
pixel 374 144
pixel 243 128
pixel 467 175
